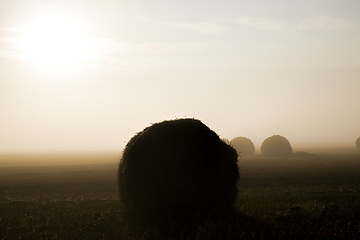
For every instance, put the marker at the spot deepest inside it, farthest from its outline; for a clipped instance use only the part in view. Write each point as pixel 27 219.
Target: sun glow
pixel 56 42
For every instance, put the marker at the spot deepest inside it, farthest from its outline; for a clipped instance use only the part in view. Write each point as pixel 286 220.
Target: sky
pixel 87 75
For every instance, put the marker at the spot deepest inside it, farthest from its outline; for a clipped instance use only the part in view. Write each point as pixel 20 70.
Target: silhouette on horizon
pixel 244 146
pixel 276 146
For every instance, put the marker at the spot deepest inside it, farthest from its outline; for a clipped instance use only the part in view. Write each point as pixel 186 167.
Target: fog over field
pixel 85 76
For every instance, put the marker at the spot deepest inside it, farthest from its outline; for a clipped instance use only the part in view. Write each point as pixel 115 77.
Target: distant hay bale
pixel 177 165
pixel 243 145
pixel 357 143
pixel 276 146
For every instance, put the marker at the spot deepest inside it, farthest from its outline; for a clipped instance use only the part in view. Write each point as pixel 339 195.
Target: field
pixel 75 197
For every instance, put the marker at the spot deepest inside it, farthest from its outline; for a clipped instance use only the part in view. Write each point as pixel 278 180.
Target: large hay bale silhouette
pixel 357 143
pixel 177 165
pixel 243 145
pixel 276 146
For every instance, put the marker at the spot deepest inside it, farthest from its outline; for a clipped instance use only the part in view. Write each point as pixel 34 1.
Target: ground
pixel 300 198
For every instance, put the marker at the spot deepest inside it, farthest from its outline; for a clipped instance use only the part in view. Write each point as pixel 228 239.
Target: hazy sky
pixel 86 75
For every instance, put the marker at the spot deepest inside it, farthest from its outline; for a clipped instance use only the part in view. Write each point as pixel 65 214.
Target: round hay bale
pixel 276 146
pixel 177 165
pixel 244 146
pixel 357 143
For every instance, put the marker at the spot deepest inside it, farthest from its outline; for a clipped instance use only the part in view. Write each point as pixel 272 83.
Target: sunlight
pixel 55 42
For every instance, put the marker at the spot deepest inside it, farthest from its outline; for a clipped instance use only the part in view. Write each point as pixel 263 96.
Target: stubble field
pixel 300 198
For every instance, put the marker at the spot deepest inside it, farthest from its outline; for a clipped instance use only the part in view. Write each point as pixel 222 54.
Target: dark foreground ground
pixel 308 198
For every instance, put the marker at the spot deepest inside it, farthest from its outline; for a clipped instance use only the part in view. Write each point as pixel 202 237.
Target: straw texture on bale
pixel 177 165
